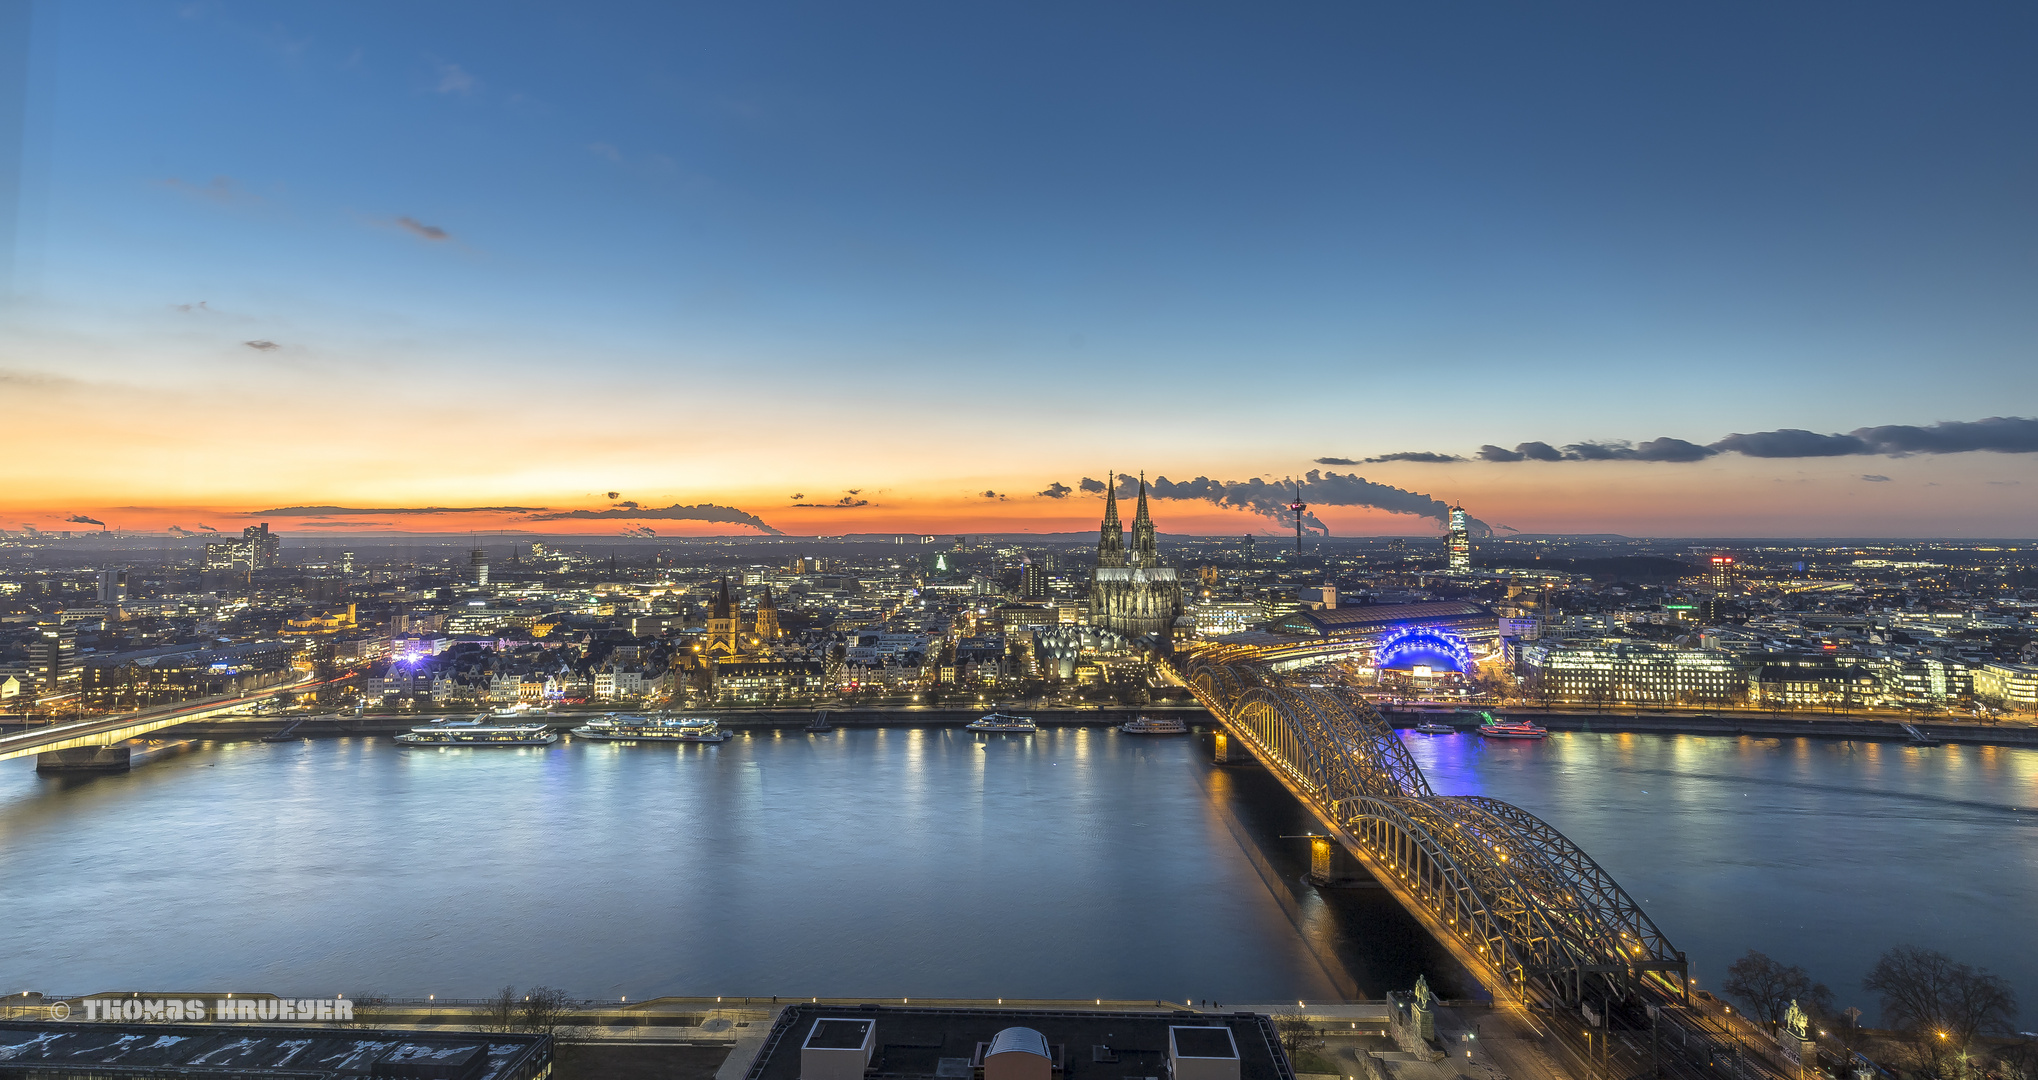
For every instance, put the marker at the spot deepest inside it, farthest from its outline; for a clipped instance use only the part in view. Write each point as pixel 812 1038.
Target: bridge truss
pixel 1518 899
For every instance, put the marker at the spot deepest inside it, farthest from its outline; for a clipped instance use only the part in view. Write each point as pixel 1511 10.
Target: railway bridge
pixel 1530 914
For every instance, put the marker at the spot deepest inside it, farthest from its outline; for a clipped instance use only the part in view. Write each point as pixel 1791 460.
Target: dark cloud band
pixel 1995 434
pixel 704 512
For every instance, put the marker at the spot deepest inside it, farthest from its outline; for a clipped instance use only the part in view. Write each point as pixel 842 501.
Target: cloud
pixel 261 346
pixel 676 512
pixel 455 80
pixel 356 511
pixel 604 150
pixel 192 308
pixel 83 520
pixel 629 504
pixel 1271 500
pixel 1509 528
pixel 1875 478
pixel 1995 434
pixel 17 379
pixel 180 530
pixel 1423 456
pixel 1092 486
pixel 1335 461
pixel 993 495
pixel 846 503
pixel 613 495
pixel 344 524
pixel 206 527
pixel 1056 490
pixel 429 232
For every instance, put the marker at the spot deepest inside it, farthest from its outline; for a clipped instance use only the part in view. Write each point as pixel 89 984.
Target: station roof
pixel 1372 618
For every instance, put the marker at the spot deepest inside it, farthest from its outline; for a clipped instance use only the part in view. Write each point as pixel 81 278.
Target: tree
pixel 1766 987
pixel 502 1010
pixel 1298 1035
pixel 1925 994
pixel 543 1009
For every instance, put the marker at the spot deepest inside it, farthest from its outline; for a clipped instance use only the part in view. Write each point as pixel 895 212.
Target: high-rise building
pixel 346 562
pixel 478 563
pixel 1033 579
pixel 112 586
pixel 1246 552
pixel 53 655
pixel 257 549
pixel 1130 591
pixel 1460 542
pixel 1721 574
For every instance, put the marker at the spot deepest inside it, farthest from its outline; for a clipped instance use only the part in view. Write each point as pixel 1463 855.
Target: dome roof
pixel 1022 1040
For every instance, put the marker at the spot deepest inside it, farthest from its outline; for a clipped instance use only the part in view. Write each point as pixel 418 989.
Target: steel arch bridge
pixel 1517 899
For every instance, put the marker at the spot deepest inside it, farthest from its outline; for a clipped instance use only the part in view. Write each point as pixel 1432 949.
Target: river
pixel 899 862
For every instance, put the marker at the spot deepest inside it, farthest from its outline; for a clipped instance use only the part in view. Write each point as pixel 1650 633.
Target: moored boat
pixel 477 732
pixel 1001 722
pixel 1495 728
pixel 1435 727
pixel 1154 725
pixel 690 729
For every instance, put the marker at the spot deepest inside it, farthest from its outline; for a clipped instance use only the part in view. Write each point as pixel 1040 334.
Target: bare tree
pixel 1766 987
pixel 1940 1004
pixel 543 1009
pixel 1298 1035
pixel 502 1009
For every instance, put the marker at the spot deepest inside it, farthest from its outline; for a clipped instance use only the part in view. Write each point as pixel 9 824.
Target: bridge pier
pixel 84 759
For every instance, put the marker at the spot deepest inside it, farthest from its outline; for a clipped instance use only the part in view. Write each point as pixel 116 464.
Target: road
pixel 101 731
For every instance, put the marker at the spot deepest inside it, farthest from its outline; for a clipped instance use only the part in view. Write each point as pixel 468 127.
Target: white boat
pixel 653 729
pixel 1433 727
pixel 1496 728
pixel 1148 725
pixel 1001 722
pixel 477 732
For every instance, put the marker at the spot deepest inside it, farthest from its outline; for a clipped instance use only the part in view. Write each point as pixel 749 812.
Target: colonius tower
pixel 1131 592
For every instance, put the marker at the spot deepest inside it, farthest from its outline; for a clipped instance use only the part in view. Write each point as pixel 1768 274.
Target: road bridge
pixel 1527 911
pixel 94 735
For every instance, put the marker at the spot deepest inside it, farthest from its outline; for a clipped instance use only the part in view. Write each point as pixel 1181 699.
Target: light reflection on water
pixel 926 862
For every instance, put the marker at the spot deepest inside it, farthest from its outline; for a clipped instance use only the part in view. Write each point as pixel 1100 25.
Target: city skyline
pixel 912 271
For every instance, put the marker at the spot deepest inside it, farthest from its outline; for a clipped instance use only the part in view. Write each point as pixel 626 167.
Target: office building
pixel 477 564
pixel 1460 542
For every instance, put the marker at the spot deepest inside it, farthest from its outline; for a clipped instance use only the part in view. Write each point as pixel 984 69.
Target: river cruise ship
pixel 1150 725
pixel 478 732
pixel 1001 722
pixel 653 729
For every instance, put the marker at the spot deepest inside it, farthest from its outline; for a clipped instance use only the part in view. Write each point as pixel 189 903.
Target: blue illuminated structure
pixel 1409 646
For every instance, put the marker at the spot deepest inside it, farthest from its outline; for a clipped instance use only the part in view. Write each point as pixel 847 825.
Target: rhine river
pixel 902 862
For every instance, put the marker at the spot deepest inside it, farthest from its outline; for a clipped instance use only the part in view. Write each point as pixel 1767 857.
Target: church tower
pixel 725 626
pixel 1143 551
pixel 767 630
pixel 1111 542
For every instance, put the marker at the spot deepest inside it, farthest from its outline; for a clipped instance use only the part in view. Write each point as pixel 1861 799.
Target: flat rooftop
pixel 224 1051
pixel 939 1042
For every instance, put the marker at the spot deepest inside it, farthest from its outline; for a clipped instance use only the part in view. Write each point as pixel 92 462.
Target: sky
pixel 832 268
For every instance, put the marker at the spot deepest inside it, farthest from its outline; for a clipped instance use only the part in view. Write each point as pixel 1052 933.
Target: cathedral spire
pixel 1111 539
pixel 1142 529
pixel 723 608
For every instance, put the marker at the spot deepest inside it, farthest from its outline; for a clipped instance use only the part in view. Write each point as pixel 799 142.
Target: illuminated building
pixel 52 656
pixel 1460 542
pixel 478 563
pixel 257 549
pixel 1721 574
pixel 1033 580
pixel 1619 671
pixel 112 586
pixel 346 562
pixel 2010 685
pixel 1130 591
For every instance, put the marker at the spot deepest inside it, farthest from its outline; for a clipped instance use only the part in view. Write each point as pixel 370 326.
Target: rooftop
pixel 941 1042
pixel 221 1051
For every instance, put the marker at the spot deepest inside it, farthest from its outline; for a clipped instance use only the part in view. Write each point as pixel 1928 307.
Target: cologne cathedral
pixel 1131 592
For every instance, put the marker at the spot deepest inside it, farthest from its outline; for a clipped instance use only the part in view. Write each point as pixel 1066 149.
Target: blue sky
pixel 1208 240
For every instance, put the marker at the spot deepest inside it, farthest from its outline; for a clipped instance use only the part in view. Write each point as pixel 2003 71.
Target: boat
pixel 478 732
pixel 690 729
pixel 1148 725
pixel 1001 722
pixel 1435 727
pixel 1495 728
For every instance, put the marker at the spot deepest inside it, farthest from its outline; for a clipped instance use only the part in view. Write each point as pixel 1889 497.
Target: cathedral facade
pixel 1131 592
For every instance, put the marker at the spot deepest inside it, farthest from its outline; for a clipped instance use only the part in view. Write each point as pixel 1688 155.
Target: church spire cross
pixel 1111 537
